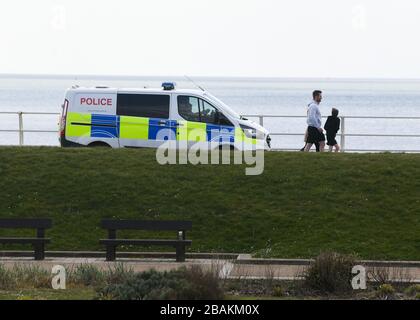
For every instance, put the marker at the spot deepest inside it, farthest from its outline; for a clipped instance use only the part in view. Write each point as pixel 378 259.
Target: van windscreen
pixel 143 105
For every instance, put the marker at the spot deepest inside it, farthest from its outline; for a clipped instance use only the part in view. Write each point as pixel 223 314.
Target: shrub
pixel 278 291
pixel 188 284
pixel 380 274
pixel 413 290
pixel 6 279
pixel 118 274
pixel 30 276
pixel 87 275
pixel 21 276
pixel 385 291
pixel 329 273
pixel 202 284
pixel 141 286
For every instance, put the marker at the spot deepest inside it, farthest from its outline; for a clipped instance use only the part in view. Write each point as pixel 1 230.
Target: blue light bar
pixel 168 85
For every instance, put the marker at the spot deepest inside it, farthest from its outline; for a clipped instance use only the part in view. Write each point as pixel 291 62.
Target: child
pixel 332 126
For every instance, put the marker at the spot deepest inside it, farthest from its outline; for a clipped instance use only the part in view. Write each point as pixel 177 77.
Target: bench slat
pixel 24 240
pixel 26 223
pixel 156 225
pixel 145 241
pixel 165 225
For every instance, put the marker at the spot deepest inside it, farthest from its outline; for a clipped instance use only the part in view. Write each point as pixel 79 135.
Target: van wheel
pixel 98 144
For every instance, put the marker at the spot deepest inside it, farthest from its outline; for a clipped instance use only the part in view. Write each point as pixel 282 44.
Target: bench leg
pixel 39 251
pixel 110 253
pixel 180 253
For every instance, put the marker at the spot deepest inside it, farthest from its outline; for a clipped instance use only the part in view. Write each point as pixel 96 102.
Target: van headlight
pixel 252 132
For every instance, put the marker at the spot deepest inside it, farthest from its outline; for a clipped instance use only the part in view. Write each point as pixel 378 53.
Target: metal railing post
pixel 343 134
pixel 21 141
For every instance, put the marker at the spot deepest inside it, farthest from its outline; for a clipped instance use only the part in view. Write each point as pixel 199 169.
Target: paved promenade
pixel 242 267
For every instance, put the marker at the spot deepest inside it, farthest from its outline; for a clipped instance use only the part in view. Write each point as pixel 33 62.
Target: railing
pixel 342 134
pixel 21 130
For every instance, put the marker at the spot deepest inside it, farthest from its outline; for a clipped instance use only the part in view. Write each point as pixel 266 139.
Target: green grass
pixel 302 204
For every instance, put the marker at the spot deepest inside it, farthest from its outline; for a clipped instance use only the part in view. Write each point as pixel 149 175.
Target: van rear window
pixel 143 105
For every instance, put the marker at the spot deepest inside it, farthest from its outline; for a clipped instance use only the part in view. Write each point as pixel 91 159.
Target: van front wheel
pixel 98 144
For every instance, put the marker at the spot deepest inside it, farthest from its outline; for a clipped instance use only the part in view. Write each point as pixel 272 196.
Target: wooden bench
pixel 178 243
pixel 38 243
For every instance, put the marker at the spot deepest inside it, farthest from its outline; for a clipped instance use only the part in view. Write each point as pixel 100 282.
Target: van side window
pixel 188 108
pixel 143 105
pixel 208 113
pixel 198 110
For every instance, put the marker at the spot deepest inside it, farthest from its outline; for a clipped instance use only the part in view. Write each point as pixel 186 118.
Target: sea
pixel 398 99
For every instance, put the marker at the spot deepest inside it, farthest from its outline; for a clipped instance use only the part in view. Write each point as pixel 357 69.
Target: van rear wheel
pixel 97 144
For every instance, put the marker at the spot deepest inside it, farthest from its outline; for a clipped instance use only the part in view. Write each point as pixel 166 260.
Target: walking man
pixel 315 131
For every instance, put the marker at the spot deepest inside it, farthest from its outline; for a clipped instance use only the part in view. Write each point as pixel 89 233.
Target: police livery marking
pixel 148 117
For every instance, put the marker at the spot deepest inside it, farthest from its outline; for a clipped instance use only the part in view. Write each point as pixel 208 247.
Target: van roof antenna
pixel 189 79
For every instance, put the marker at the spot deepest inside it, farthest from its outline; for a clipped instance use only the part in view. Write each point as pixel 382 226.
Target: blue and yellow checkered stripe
pixel 127 127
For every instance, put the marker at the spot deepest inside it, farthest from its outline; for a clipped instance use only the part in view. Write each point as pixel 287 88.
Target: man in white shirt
pixel 315 131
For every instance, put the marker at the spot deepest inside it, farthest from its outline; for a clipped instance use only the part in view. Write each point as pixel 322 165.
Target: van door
pixel 190 129
pixel 202 122
pixel 220 131
pixel 144 119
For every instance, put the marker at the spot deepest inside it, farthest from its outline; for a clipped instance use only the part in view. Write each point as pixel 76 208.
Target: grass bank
pixel 302 204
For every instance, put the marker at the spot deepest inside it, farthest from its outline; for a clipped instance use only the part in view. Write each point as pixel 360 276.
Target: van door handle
pixel 179 125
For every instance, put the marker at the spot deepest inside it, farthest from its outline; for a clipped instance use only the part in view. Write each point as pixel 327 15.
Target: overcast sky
pixel 258 38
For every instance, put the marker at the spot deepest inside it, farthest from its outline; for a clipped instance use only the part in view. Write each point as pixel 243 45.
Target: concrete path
pixel 243 267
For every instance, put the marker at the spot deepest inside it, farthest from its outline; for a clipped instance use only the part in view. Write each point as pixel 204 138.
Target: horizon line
pixel 125 77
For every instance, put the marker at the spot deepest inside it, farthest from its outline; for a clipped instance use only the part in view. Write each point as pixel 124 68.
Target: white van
pixel 103 116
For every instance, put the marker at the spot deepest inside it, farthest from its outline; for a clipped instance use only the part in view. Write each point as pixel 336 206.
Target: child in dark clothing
pixel 332 126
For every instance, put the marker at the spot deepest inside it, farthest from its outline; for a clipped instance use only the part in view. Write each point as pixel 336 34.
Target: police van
pixel 116 118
